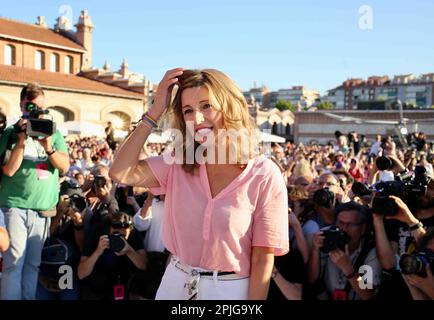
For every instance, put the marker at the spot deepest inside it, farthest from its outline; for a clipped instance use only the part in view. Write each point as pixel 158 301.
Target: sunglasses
pixel 120 224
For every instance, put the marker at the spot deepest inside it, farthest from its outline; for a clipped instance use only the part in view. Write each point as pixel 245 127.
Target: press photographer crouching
pixel 402 209
pixel 339 251
pixel 63 246
pixel 33 154
pixel 418 268
pixel 110 260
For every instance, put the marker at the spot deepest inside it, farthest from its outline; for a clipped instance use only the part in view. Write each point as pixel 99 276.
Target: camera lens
pixel 410 264
pixel 360 189
pixel 384 163
pixel 117 243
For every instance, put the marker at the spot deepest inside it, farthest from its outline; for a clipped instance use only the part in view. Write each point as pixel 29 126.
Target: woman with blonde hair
pixel 224 220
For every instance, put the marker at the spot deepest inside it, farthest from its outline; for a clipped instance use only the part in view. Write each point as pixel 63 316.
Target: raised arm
pixel 126 168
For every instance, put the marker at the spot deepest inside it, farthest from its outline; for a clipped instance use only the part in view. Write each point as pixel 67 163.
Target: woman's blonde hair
pixel 226 97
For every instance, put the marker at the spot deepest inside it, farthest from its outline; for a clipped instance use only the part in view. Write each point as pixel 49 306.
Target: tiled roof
pixel 35 33
pixel 68 82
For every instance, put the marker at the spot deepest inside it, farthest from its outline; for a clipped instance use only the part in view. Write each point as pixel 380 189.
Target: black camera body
pixel 335 238
pixel 384 163
pixel 117 243
pixel 100 181
pixel 415 263
pixel 407 187
pixel 37 126
pixel 324 198
pixel 78 203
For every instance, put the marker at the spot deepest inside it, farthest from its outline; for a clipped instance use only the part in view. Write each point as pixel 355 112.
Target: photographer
pixel 110 259
pixel 64 244
pixel 335 261
pixel 99 190
pixel 421 286
pixel 398 234
pixel 326 194
pixel 28 195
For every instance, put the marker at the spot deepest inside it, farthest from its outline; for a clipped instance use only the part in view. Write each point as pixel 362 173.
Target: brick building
pixel 60 60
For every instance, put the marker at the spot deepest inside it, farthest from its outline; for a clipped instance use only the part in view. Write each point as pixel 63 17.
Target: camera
pixel 384 163
pixel 335 238
pixel 408 187
pixel 415 263
pixel 324 198
pixel 117 243
pixel 37 126
pixel 100 181
pixel 78 203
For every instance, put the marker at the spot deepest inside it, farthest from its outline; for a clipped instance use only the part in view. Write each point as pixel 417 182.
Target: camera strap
pixel 367 245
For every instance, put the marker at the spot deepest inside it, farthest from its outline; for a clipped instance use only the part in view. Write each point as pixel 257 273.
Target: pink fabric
pixel 218 233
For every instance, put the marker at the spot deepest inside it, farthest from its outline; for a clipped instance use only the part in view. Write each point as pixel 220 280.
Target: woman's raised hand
pixel 163 95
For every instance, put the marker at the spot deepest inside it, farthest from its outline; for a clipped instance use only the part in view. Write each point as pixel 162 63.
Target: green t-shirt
pixel 36 183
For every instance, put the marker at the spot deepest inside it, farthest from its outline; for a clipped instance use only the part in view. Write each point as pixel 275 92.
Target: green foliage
pixel 325 105
pixel 285 105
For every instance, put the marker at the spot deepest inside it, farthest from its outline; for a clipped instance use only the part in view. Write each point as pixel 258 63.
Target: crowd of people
pixel 349 220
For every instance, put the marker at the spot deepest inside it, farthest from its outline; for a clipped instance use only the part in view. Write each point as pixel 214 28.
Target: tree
pixel 325 105
pixel 285 105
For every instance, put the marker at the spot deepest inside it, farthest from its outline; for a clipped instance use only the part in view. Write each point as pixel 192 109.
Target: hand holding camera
pixel 403 212
pixel 103 244
pixel 342 260
pixel 37 126
pixel 20 128
pixel 423 283
pixel 118 244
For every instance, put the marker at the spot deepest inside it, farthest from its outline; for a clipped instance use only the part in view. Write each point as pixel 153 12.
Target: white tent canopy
pixel 268 137
pixel 82 128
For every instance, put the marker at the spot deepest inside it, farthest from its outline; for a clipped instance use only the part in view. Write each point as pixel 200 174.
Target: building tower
pixel 84 37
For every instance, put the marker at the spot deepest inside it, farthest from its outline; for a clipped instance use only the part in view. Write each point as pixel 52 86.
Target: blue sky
pixel 277 43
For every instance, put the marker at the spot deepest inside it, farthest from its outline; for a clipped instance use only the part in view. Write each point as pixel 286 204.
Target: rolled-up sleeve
pixel 270 219
pixel 160 170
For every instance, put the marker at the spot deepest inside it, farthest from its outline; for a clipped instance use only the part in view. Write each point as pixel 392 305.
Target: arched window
pixel 54 62
pixel 9 55
pixel 274 128
pixel 61 114
pixel 39 60
pixel 288 129
pixel 68 66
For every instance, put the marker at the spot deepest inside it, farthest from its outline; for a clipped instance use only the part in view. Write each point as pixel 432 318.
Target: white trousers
pixel 182 282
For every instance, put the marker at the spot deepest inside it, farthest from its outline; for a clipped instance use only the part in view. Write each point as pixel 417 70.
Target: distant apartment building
pixel 297 95
pixel 380 92
pixel 258 95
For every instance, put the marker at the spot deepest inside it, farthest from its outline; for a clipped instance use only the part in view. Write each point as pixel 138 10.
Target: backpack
pixel 55 253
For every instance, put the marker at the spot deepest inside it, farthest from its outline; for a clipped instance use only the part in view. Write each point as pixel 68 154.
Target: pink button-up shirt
pixel 218 233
